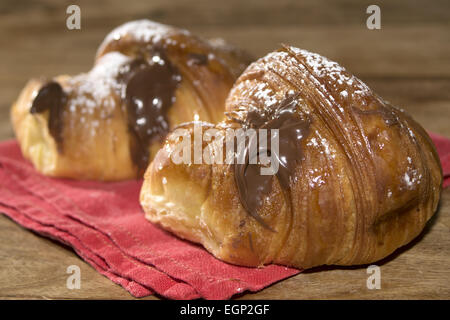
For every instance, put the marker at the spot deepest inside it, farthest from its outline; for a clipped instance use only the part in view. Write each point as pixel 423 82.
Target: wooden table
pixel 407 62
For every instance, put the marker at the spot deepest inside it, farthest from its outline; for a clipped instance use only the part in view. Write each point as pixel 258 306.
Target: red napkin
pixel 105 225
pixel 443 149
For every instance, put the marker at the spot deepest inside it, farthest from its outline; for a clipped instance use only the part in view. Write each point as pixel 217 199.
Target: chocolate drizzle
pixel 52 97
pixel 253 187
pixel 147 88
pixel 149 91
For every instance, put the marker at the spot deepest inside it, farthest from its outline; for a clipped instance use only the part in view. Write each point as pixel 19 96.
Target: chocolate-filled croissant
pixel 357 178
pixel 108 123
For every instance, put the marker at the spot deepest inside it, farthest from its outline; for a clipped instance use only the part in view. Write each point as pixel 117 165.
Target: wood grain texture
pixel 407 62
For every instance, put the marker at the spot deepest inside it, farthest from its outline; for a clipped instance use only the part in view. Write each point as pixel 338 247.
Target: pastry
pixel 357 178
pixel 108 123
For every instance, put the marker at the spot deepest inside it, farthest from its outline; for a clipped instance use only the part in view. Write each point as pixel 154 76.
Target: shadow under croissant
pixel 390 257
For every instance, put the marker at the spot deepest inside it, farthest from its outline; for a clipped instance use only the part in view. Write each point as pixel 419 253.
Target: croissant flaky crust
pixel 107 124
pixel 359 177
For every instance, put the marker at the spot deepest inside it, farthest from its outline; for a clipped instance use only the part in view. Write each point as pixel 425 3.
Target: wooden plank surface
pixel 407 62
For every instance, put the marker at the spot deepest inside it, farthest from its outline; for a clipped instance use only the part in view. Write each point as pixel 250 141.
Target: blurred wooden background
pixel 407 62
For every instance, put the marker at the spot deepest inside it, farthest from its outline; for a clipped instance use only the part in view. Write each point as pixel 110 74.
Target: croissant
pixel 357 177
pixel 107 124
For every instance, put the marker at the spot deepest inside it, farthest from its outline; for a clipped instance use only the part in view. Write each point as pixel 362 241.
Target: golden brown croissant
pixel 357 177
pixel 108 123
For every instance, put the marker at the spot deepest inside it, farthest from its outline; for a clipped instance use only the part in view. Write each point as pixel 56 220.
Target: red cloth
pixel 105 225
pixel 443 149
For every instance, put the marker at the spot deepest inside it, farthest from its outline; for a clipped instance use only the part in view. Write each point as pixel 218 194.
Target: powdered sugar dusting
pixel 93 95
pixel 335 76
pixel 145 31
pixel 263 92
pixel 95 87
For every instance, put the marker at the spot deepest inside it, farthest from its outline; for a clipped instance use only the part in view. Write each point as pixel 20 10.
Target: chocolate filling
pixel 149 92
pixel 253 187
pixel 51 97
pixel 148 89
